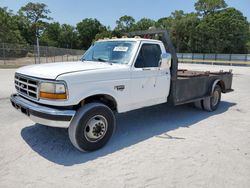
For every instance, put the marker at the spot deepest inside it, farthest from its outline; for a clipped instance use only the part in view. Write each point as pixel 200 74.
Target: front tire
pixel 92 127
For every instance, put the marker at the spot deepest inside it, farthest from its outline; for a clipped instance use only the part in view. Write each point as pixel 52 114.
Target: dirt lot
pixel 155 147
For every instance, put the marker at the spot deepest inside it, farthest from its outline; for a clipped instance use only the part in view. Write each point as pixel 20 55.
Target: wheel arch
pixel 106 99
pixel 219 83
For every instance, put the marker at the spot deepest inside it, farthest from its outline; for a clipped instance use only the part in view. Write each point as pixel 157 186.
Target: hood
pixel 53 70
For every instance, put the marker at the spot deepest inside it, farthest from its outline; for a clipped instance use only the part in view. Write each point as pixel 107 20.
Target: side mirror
pixel 165 61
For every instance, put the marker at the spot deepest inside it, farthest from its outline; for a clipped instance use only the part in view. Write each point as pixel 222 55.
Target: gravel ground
pixel 155 147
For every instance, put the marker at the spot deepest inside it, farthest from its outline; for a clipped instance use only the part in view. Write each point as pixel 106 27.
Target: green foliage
pixel 88 29
pixel 248 41
pixel 9 31
pixel 51 35
pixel 226 31
pixel 63 36
pixel 106 33
pixel 143 24
pixel 125 24
pixel 34 16
pixel 248 47
pixel 165 22
pixel 24 26
pixel 205 7
pixel 184 32
pixel 212 29
pixel 223 31
pixel 68 37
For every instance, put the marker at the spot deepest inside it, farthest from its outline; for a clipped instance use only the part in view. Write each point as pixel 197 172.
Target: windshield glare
pixel 110 51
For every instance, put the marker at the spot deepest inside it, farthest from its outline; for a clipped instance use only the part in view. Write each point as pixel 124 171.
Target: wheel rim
pixel 215 98
pixel 96 128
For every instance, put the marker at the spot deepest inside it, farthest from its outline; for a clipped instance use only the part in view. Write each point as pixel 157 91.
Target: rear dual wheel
pixel 210 103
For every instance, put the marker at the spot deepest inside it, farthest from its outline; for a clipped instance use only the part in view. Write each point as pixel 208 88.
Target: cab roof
pixel 129 39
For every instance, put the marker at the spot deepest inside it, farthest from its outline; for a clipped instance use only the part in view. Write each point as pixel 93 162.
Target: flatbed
pixel 187 85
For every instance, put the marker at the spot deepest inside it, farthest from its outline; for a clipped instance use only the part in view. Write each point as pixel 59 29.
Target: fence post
pixel 4 54
pixel 67 54
pixel 54 55
pixel 34 53
pixel 47 54
pixel 230 59
pixel 215 58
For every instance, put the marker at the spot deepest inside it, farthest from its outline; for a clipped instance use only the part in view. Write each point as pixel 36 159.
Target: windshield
pixel 110 51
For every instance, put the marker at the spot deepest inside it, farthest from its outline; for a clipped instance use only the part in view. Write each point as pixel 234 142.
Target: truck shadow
pixel 132 128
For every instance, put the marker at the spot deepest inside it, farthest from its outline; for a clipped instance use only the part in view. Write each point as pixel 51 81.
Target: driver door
pixel 144 76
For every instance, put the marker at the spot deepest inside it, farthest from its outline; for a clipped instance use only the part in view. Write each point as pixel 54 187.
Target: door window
pixel 149 56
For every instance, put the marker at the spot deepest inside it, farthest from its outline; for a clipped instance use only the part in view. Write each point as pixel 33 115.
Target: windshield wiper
pixel 103 60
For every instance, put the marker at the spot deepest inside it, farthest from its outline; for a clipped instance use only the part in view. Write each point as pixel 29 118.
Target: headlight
pixel 50 90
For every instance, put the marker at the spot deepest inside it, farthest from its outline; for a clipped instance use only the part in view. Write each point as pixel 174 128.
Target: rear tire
pixel 198 104
pixel 92 127
pixel 211 103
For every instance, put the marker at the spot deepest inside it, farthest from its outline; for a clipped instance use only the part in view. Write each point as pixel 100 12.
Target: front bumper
pixel 41 114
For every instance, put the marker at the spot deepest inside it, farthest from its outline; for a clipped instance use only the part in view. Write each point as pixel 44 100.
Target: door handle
pixel 146 69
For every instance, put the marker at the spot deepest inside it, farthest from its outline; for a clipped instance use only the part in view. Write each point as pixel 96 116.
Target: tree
pixel 36 15
pixel 226 31
pixel 205 7
pixel 62 36
pixel 106 33
pixel 9 31
pixel 248 41
pixel 182 30
pixel 124 24
pixel 144 24
pixel 51 35
pixel 87 30
pixel 25 29
pixel 165 22
pixel 68 37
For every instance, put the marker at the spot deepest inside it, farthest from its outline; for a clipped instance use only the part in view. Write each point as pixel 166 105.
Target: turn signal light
pixel 45 95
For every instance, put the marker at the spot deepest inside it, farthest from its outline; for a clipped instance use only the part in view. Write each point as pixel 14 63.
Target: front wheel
pixel 211 103
pixel 92 127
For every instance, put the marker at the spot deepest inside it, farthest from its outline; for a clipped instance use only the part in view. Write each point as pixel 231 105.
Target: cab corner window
pixel 149 56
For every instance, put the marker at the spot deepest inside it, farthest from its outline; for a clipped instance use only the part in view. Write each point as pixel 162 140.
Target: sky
pixel 108 11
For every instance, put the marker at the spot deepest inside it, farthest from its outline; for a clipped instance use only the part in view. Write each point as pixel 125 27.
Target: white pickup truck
pixel 113 76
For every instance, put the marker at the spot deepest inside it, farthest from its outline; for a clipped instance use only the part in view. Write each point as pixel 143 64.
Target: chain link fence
pixel 218 59
pixel 16 55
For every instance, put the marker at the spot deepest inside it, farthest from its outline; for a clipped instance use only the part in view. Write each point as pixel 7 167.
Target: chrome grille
pixel 26 86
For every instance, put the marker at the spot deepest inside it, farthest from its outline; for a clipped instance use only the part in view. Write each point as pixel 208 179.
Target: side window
pixel 149 56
